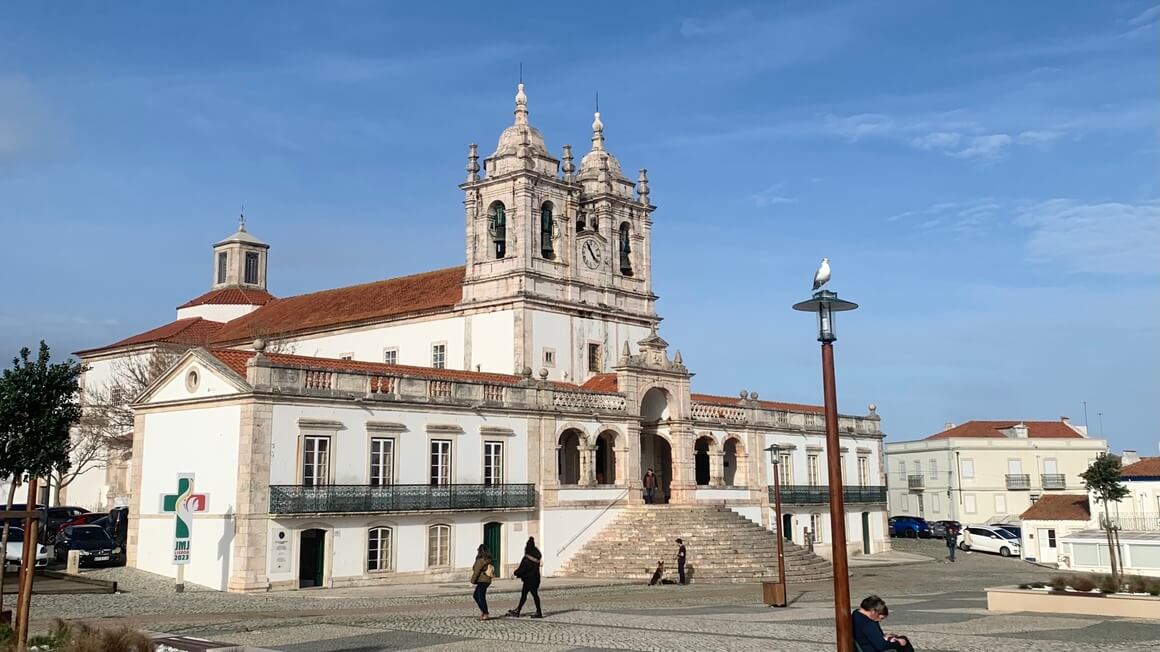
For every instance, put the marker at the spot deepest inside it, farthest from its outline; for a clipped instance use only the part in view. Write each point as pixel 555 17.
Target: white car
pixel 15 550
pixel 985 538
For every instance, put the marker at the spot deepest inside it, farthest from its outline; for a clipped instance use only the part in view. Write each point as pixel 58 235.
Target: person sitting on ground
pixel 868 632
pixel 657 574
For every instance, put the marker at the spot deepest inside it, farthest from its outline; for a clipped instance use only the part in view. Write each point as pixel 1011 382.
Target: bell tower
pixel 240 260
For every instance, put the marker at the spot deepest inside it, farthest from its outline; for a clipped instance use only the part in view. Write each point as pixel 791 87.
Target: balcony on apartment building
pixel 915 481
pixel 361 498
pixel 1018 482
pixel 1053 481
pixel 802 494
pixel 1133 521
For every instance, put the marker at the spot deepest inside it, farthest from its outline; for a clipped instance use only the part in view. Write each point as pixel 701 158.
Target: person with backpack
pixel 529 574
pixel 481 574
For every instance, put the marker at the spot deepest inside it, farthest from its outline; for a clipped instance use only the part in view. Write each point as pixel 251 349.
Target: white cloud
pixel 990 146
pixel 938 140
pixel 772 196
pixel 1041 139
pixel 1145 17
pixel 856 127
pixel 1110 237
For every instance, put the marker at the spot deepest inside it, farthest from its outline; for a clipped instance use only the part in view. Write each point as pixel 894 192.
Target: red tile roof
pixel 236 360
pixel 1147 467
pixel 993 429
pixel 231 297
pixel 193 331
pixel 348 306
pixel 769 405
pixel 601 383
pixel 1059 507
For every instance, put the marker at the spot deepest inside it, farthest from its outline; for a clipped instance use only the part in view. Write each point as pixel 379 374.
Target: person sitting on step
pixel 868 634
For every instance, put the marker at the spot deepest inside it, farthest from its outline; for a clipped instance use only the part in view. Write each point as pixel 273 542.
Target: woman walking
pixel 529 574
pixel 481 574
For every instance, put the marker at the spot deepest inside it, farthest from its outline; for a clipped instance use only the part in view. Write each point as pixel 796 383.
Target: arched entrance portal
pixel 656 452
pixel 568 457
pixel 606 458
pixel 732 479
pixel 701 460
pixel 311 558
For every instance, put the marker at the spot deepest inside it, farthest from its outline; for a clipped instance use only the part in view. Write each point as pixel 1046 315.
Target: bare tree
pixel 105 432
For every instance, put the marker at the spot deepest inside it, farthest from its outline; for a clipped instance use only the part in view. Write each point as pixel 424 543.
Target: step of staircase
pixel 721 546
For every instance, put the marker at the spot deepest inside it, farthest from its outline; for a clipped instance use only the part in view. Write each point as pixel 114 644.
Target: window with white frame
pixel 549 357
pixel 440 462
pixel 379 545
pixel 595 357
pixel 968 468
pixel 222 264
pixel 812 469
pixel 315 460
pixel 916 467
pixel 843 461
pixel 382 461
pixel 816 527
pixel 391 355
pixel 863 470
pixel 969 503
pixel 903 502
pixel 1000 504
pixel 901 470
pixel 492 462
pixel 785 461
pixel 438 356
pixel 439 545
pixel 934 506
pixel 934 469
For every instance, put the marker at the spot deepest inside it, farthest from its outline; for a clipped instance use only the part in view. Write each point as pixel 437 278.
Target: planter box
pixel 1011 598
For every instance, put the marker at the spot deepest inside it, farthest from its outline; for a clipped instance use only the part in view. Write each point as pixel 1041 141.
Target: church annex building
pixel 522 394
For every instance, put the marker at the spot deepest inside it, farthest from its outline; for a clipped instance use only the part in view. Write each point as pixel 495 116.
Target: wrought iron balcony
pixel 361 498
pixel 800 494
pixel 915 481
pixel 1133 521
pixel 1018 482
pixel 1054 481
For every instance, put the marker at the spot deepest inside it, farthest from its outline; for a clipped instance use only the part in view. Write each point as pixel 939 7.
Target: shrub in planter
pixel 1082 583
pixel 1059 583
pixel 1137 584
pixel 1109 584
pixel 67 637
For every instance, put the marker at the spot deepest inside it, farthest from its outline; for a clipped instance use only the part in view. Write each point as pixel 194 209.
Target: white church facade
pixel 380 432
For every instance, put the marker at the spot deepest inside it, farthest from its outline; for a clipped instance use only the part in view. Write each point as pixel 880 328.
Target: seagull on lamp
pixel 823 274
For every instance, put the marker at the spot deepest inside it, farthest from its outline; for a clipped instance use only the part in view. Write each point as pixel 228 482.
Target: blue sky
pixel 983 177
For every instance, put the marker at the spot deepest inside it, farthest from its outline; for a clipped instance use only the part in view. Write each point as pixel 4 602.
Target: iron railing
pixel 1017 481
pixel 1054 481
pixel 1133 522
pixel 800 494
pixel 915 481
pixel 350 498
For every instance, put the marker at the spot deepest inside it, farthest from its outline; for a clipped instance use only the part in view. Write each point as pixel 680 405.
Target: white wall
pixel 209 383
pixel 215 312
pixel 350 445
pixel 203 442
pixel 413 340
pixel 799 455
pixel 559 526
pixel 569 337
pixel 493 342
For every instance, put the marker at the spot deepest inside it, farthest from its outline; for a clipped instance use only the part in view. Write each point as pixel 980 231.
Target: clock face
pixel 590 252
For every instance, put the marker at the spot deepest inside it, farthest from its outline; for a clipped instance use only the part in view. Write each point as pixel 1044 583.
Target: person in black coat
pixel 868 630
pixel 529 573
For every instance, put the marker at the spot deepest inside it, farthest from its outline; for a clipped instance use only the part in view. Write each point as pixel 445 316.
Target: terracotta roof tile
pixel 236 360
pixel 1059 507
pixel 231 297
pixel 601 383
pixel 769 405
pixel 193 331
pixel 1147 467
pixel 993 429
pixel 348 306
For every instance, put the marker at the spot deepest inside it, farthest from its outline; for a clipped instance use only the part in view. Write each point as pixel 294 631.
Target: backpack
pixel 489 571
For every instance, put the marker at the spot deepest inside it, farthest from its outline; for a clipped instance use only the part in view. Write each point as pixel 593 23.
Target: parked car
pixel 987 538
pixel 1017 530
pixel 58 516
pixel 82 519
pixel 14 551
pixel 938 529
pixel 116 524
pixel 909 526
pixel 93 542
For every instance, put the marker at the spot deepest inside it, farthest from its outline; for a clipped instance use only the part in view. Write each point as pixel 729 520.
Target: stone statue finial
pixel 526 372
pixel 753 396
pixel 744 394
pixel 873 409
pixel 625 351
pixel 597 132
pixel 259 346
pixel 543 373
pixel 521 105
pixel 642 186
pixel 472 163
pixel 242 219
pixel 677 358
pixel 569 166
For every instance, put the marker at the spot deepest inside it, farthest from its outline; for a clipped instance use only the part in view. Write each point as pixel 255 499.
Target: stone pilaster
pixel 251 521
pixel 684 464
pixel 716 469
pixel 133 527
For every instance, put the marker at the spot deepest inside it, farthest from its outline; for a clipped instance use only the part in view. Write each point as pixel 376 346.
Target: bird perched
pixel 823 274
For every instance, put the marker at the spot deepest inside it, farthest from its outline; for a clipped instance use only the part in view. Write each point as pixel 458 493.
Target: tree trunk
pixel 4 537
pixel 1111 546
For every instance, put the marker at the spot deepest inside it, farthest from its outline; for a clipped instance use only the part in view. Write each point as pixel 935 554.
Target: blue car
pixel 914 527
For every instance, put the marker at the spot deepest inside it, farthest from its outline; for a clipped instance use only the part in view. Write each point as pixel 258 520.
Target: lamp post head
pixel 825 303
pixel 773 450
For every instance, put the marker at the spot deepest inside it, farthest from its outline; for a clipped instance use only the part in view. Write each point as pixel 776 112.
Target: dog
pixel 657 574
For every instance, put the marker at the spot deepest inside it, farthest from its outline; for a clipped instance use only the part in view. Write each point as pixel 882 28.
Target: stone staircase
pixel 721 546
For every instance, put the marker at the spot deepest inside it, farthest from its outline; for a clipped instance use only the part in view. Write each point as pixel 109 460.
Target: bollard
pixel 74 562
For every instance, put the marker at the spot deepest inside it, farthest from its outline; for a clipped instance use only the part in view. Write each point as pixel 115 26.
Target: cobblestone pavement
pixel 940 605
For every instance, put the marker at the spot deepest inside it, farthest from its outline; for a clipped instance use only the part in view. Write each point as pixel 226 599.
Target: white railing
pixel 380 385
pixel 318 380
pixel 439 388
pixel 588 401
pixel 711 412
pixel 493 393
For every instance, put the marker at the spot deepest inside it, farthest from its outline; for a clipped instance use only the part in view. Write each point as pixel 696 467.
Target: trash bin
pixel 773 593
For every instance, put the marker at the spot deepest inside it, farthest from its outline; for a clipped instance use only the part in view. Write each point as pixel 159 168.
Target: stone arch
pixel 734 462
pixel 606 462
pixel 568 445
pixel 656 405
pixel 704 448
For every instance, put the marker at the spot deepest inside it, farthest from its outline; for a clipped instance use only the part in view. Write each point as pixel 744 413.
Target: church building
pixel 381 432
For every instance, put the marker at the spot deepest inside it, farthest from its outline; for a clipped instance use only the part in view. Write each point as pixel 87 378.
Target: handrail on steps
pixel 594 519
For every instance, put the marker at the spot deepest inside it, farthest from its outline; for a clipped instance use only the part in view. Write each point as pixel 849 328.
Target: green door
pixel 492 536
pixel 865 533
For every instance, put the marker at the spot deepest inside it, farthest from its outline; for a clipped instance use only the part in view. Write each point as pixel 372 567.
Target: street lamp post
pixel 825 303
pixel 775 459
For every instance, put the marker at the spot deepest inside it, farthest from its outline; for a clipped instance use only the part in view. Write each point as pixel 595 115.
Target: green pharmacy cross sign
pixel 183 505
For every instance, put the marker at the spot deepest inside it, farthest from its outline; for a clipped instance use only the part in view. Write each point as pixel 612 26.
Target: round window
pixel 191 380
